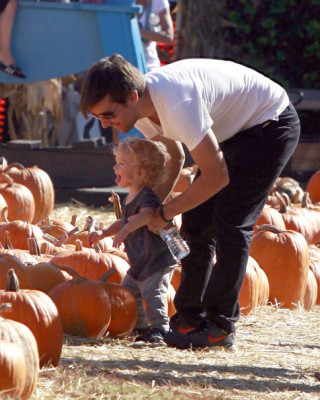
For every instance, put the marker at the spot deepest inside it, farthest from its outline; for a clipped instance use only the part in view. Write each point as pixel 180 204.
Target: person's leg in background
pixel 6 24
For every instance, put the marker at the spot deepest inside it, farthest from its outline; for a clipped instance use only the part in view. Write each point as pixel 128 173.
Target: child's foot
pixel 153 335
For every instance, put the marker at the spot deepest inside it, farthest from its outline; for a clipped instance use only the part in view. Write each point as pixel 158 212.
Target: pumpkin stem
pixel 14 165
pixel 75 274
pixel 306 201
pixel 269 227
pixel 5 307
pixel 3 162
pixel 63 238
pixel 12 281
pixel 78 245
pixel 115 200
pixel 283 205
pixel 7 242
pixel 50 239
pixel 4 213
pixel 97 248
pixel 33 246
pixel 74 219
pixel 4 178
pixel 104 277
pixel 91 225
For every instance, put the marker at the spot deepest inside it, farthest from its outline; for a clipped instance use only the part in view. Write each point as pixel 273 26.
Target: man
pixel 241 130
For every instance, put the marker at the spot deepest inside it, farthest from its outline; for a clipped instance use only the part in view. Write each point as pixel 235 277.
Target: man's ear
pixel 134 97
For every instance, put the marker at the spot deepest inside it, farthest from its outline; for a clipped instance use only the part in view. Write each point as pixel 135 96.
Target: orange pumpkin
pixel 19 334
pixel 20 232
pixel 84 307
pixel 123 309
pixel 40 185
pixel 310 296
pixel 44 276
pixel 13 369
pixel 92 265
pixel 250 290
pixel 37 311
pixel 8 261
pixel 313 187
pixel 19 199
pixel 284 256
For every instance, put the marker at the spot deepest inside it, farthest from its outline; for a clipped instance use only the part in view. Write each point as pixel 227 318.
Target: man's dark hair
pixel 111 75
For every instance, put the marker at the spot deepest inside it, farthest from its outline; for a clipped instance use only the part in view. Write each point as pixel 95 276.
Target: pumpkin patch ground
pixel 277 357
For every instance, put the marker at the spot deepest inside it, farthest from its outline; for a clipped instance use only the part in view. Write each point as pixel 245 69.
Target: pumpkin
pixel 315 268
pixel 56 227
pixel 84 307
pixel 284 257
pixel 270 215
pixel 20 232
pixel 19 199
pixel 170 301
pixel 313 187
pixel 92 265
pixel 40 185
pixel 8 261
pixel 250 290
pixel 311 293
pixel 13 369
pixel 38 312
pixel 19 334
pixel 44 276
pixel 123 309
pixel 176 277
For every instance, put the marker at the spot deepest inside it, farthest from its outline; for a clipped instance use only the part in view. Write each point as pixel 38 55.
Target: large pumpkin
pixel 310 296
pixel 19 199
pixel 40 185
pixel 8 261
pixel 13 369
pixel 92 265
pixel 84 307
pixel 38 312
pixel 19 334
pixel 20 232
pixel 284 256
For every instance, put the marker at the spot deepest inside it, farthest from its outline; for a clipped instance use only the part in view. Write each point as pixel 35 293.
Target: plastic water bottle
pixel 177 246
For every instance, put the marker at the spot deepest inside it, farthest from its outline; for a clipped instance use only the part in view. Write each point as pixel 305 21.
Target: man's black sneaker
pixel 153 335
pixel 184 323
pixel 209 335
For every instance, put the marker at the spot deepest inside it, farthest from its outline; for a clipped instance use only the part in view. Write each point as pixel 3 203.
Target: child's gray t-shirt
pixel 147 252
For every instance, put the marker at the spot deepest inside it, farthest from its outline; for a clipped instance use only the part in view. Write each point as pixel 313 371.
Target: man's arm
pixel 214 177
pixel 174 167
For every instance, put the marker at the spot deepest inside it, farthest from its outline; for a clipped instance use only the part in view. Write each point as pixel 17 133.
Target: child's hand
pixel 94 237
pixel 119 238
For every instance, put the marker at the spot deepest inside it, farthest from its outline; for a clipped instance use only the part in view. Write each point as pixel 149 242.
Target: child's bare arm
pixel 95 236
pixel 135 222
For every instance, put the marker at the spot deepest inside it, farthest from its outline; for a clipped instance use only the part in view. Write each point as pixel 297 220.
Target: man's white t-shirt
pixel 150 48
pixel 193 95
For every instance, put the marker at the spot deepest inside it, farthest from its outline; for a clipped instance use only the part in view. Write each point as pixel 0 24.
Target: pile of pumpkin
pixel 52 282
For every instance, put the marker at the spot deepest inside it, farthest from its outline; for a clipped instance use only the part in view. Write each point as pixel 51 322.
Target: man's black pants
pixel 224 223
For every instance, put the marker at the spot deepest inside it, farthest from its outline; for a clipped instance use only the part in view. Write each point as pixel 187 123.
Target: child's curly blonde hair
pixel 151 155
